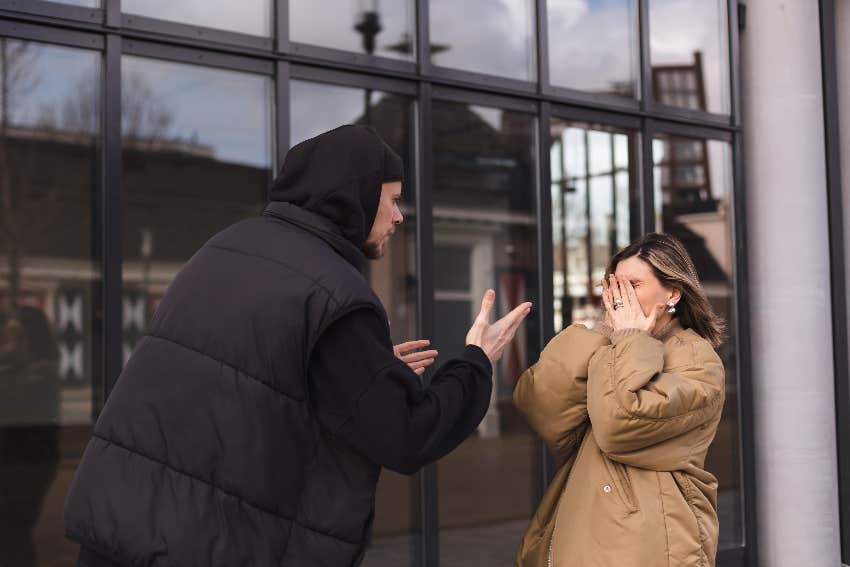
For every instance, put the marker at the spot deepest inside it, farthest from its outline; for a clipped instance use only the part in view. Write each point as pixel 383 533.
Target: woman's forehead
pixel 633 268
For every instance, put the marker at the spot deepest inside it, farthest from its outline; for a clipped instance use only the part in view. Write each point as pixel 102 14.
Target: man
pixel 250 425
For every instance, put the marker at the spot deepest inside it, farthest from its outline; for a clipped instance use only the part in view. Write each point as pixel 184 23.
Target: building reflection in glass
pixel 49 282
pixel 485 237
pixel 689 46
pixel 316 108
pixel 189 169
pixel 594 206
pixel 693 196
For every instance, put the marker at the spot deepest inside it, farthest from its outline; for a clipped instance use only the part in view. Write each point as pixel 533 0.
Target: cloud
pixel 486 36
pixel 593 46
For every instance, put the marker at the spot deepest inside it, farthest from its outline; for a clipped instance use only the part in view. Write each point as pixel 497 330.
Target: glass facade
pixel 183 157
pixel 485 237
pixel 386 29
pixel 517 182
pixel 578 60
pixel 689 44
pixel 693 188
pixel 50 154
pixel 494 38
pixel 594 209
pixel 252 17
pixel 393 277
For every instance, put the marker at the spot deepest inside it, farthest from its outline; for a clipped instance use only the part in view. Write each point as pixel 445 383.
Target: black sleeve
pixel 364 395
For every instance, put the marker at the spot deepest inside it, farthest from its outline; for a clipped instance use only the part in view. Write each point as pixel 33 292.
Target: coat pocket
pixel 622 482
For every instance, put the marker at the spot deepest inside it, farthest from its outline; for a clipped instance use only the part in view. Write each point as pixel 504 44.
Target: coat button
pixel 607 488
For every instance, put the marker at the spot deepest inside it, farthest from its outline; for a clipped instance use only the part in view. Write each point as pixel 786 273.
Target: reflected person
pixel 29 430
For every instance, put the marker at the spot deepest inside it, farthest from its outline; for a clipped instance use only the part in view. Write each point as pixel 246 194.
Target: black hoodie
pixel 331 185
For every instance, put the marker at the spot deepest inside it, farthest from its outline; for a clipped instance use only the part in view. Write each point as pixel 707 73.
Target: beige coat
pixel 629 425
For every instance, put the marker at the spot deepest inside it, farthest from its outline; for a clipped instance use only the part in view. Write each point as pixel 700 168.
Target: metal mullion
pixel 201 33
pixel 746 437
pixel 281 26
pixel 646 94
pixel 111 230
pixel 452 94
pixel 542 44
pixel 423 37
pixel 112 18
pixel 735 62
pixel 282 118
pixel 838 287
pixel 545 263
pixel 697 132
pixel 356 80
pixel 194 56
pixel 46 34
pixel 367 62
pixel 737 557
pixel 578 114
pixel 481 80
pixel 429 551
pixel 743 351
pixel 54 10
pixel 662 111
pixel 608 101
pixel 647 179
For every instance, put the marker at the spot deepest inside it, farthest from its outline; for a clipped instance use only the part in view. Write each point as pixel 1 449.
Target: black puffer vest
pixel 207 452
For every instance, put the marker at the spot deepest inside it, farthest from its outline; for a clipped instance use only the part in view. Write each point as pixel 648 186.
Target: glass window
pixel 189 169
pixel 385 28
pixel 483 36
pixel 693 197
pixel 689 44
pixel 253 17
pixel 594 214
pixel 317 108
pixel 83 3
pixel 485 231
pixel 49 281
pixel 579 60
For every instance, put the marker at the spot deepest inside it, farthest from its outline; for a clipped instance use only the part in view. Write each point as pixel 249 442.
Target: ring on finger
pixel 618 303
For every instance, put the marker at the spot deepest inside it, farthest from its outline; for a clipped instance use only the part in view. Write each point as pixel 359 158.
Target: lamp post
pixel 368 25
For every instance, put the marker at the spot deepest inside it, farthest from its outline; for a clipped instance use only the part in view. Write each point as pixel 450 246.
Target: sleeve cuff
pixel 622 334
pixel 474 354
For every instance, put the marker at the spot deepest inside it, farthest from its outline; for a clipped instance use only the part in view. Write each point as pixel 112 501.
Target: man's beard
pixel 373 250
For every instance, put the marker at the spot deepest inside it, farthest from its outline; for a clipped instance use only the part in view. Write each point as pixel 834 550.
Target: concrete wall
pixel 796 464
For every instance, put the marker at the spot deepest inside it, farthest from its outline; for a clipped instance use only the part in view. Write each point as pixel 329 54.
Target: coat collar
pixel 320 226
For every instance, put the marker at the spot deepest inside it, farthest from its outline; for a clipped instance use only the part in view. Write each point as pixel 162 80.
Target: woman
pixel 629 410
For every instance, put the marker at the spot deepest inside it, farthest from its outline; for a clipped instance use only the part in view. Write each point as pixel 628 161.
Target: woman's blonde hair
pixel 673 267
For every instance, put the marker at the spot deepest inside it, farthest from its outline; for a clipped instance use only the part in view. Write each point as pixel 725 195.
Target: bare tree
pixel 17 79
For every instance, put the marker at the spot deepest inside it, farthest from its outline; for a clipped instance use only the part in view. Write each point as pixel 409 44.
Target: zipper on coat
pixel 551 542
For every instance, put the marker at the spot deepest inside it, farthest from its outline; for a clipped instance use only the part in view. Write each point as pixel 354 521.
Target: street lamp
pixel 368 25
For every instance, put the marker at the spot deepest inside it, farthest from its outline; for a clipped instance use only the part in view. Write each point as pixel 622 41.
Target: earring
pixel 672 308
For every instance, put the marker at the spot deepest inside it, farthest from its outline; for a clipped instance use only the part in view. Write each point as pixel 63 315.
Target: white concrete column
pixel 796 463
